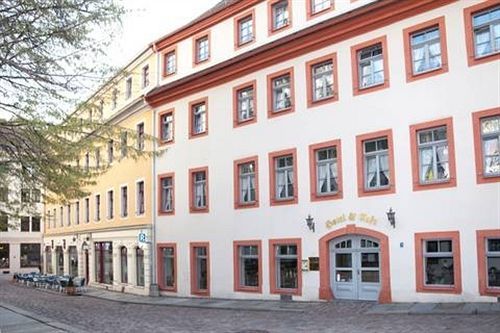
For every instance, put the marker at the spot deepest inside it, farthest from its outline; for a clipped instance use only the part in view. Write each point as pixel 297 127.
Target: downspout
pixel 154 290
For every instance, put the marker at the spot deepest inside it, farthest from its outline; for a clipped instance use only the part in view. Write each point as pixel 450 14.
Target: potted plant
pixel 70 287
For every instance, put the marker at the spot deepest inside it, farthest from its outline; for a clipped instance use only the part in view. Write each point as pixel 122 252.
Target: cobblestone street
pixel 96 315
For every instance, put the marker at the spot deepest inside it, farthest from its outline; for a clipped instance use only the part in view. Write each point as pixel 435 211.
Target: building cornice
pixel 356 22
pixel 203 23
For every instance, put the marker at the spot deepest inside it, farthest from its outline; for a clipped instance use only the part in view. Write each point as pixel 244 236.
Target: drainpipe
pixel 153 289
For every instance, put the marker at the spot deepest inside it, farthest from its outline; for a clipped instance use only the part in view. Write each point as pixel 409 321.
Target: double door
pixel 355 265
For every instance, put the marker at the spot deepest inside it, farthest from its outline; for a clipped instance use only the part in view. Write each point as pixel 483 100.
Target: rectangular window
pixel 4 194
pixel 438 262
pixel 103 262
pixel 97 207
pixel 54 215
pixel 61 216
pixel 246 183
pixel 375 163
pixel 124 202
pixel 35 224
pixel 87 210
pixel 123 144
pixel 4 255
pixel 25 195
pixel 167 126
pixel 490 144
pixel 280 93
pixel 245 29
pixel 97 158
pixel 322 80
pixel 114 98
pixel 425 49
pixel 486 127
pixel 318 6
pixel 128 88
pixel 486 26
pixel 167 270
pixel 25 223
pixel 198 117
pixel 30 255
pixel 202 49
pixel 433 158
pixel 245 104
pixel 493 262
pixel 68 214
pixel 326 170
pixel 111 151
pixel 167 193
pixel 370 66
pixel 433 155
pixel 170 63
pixel 200 269
pixel 4 223
pixel 36 195
pixel 140 136
pixel 283 170
pixel 285 259
pixel 488 254
pixel 140 208
pixel 280 15
pixel 145 76
pixel 247 270
pixel 111 205
pixel 199 190
pixel 87 162
pixel 77 212
pixel 482 32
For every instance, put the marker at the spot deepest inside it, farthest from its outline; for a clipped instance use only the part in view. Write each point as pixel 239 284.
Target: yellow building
pixel 105 237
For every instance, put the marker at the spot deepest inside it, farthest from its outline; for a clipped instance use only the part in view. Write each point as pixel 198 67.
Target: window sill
pixel 245 44
pixel 474 60
pixel 244 122
pixel 410 77
pixel 257 290
pixel 168 289
pixel 312 15
pixel 281 112
pixel 372 88
pixel 166 213
pixel 162 143
pixel 254 204
pixel 197 135
pixel 452 182
pixel 377 191
pixel 326 100
pixel 198 210
pixel 490 291
pixel 273 31
pixel 200 293
pixel 328 196
pixel 282 202
pixel 485 179
pixel 281 291
pixel 440 289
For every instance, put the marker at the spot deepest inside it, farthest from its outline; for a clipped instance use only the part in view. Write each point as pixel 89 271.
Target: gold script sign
pixel 351 217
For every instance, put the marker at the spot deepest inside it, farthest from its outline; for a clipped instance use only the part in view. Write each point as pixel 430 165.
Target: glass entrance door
pixel 355 265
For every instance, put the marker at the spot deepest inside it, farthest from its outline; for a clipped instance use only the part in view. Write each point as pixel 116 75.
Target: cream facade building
pixel 105 237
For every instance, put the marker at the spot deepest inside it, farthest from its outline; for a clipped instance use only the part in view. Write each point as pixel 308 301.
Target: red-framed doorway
pixel 325 290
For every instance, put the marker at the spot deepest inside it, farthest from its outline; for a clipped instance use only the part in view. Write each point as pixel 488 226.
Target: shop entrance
pixel 355 267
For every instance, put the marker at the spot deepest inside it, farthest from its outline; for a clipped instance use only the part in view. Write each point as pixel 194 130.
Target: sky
pixel 148 20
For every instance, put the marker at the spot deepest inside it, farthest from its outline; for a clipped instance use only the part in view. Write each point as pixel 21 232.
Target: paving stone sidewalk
pixel 16 320
pixel 295 306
